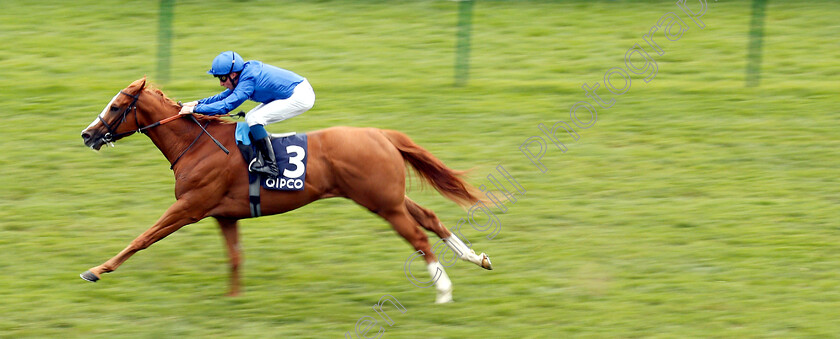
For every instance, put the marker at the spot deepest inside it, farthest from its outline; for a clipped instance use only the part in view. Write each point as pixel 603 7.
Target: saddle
pixel 290 150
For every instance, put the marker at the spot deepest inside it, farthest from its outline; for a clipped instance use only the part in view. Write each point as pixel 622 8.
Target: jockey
pixel 282 94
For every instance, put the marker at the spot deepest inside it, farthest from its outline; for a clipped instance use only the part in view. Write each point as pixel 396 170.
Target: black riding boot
pixel 264 162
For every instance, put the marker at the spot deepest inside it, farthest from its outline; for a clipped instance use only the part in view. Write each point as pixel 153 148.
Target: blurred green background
pixel 694 207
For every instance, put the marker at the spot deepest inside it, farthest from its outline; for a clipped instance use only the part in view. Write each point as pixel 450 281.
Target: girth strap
pixel 254 197
pixel 253 183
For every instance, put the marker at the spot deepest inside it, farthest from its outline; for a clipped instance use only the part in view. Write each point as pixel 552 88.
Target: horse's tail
pixel 444 179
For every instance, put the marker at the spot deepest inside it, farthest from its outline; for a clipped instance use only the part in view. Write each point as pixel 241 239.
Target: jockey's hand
pixel 187 109
pixel 191 103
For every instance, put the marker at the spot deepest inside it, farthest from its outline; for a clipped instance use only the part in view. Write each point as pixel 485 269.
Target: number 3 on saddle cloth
pixel 290 150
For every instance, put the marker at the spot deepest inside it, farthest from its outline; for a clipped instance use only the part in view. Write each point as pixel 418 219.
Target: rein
pixel 112 136
pixel 204 131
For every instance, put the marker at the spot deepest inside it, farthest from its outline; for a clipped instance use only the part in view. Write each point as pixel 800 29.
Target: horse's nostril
pixel 85 136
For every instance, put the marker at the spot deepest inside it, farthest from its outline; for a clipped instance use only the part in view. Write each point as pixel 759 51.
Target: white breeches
pixel 278 110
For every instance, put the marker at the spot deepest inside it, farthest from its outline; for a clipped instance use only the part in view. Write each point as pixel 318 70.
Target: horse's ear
pixel 139 84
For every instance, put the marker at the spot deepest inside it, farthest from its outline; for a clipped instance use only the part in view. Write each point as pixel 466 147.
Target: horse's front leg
pixel 177 216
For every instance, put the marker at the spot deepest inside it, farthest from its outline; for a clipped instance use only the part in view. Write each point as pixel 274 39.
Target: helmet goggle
pixel 224 77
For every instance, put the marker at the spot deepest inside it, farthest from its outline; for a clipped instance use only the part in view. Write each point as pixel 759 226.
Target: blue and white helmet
pixel 226 63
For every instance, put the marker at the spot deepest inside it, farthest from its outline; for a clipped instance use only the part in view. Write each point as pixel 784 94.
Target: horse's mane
pixel 167 102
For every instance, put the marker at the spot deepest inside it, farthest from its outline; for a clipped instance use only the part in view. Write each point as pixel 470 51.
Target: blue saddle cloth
pixel 290 152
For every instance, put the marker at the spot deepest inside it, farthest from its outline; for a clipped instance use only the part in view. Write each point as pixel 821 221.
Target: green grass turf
pixel 694 207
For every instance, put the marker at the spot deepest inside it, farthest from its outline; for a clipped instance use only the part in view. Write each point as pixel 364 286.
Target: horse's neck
pixel 168 137
pixel 175 138
pixel 183 138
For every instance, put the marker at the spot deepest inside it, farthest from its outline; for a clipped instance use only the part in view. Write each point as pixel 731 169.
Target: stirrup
pixel 251 167
pixel 259 166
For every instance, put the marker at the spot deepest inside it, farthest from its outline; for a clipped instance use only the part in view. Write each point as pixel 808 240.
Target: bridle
pixel 112 134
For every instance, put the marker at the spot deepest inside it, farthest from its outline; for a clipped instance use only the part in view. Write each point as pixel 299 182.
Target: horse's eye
pixel 114 108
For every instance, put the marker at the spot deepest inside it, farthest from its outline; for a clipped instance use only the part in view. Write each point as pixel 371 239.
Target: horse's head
pixel 115 121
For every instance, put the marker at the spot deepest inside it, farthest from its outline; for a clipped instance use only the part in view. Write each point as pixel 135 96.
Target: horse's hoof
pixel 485 262
pixel 89 276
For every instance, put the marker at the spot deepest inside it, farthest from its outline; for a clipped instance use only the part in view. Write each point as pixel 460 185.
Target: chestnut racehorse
pixel 366 165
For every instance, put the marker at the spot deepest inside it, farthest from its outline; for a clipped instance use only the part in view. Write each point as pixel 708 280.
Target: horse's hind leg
pixel 230 230
pixel 426 218
pixel 406 226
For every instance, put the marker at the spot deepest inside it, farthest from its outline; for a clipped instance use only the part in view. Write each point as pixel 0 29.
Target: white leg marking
pixel 443 285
